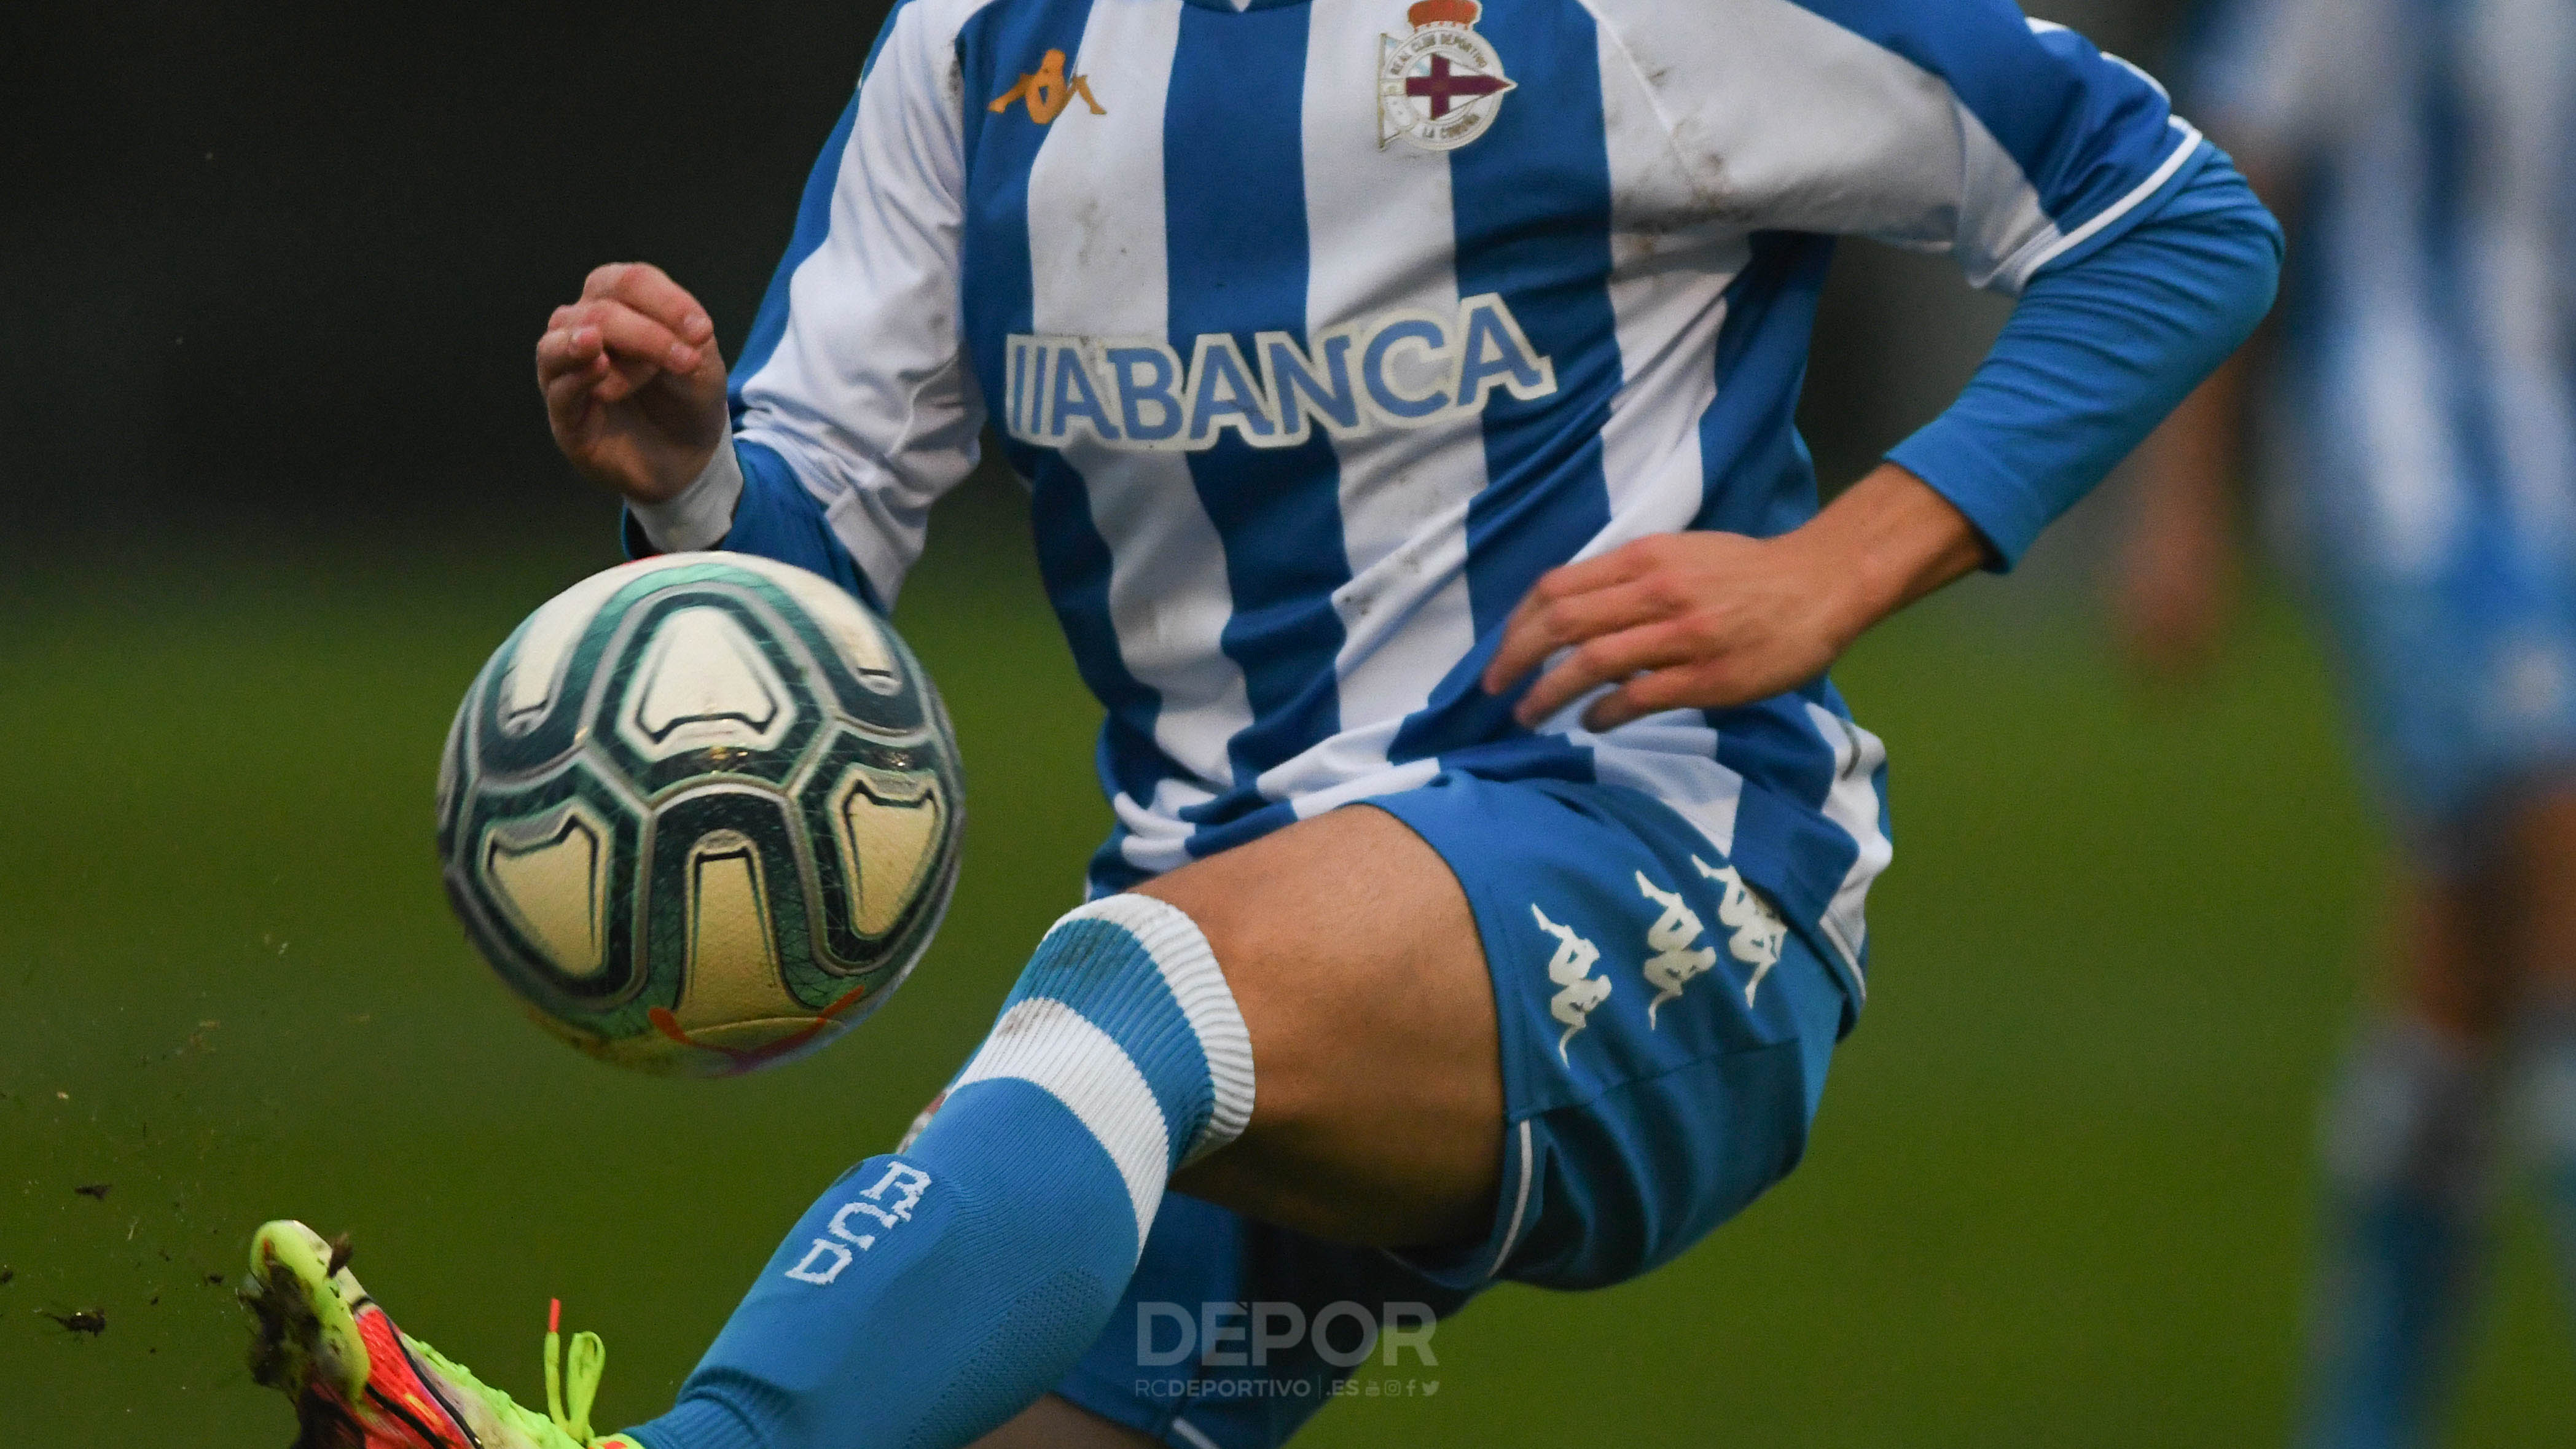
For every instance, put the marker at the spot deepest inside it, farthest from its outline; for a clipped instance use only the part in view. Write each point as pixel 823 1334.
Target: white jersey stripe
pixel 1169 595
pixel 1668 296
pixel 872 409
pixel 1404 492
pixel 1852 802
pixel 2409 460
pixel 2515 200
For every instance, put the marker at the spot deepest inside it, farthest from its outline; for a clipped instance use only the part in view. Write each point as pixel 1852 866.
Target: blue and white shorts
pixel 1665 1037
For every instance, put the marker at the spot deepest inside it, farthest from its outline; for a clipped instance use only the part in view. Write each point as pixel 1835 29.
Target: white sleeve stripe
pixel 2048 246
pixel 865 394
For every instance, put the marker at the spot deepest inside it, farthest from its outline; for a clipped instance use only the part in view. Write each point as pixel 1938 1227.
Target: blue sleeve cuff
pixel 2100 348
pixel 776 519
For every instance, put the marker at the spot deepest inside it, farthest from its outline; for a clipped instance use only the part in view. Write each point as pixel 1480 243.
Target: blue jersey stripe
pixel 1781 841
pixel 997 286
pixel 1236 256
pixel 1531 198
pixel 1756 475
pixel 1760 481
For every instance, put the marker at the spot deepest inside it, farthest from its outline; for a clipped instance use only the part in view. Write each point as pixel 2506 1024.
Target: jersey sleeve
pixel 853 409
pixel 1952 126
pixel 2095 354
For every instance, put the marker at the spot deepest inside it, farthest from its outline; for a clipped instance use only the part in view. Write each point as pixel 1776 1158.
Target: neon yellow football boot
pixel 358 1382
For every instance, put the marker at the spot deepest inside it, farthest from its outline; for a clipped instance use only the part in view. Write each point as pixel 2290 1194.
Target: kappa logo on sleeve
pixel 1403 369
pixel 1047 90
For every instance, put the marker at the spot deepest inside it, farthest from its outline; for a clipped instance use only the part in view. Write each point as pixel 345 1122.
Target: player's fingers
pixel 1546 625
pixel 571 391
pixel 1601 661
pixel 1619 565
pixel 562 350
pixel 1688 687
pixel 649 290
pixel 1615 567
pixel 635 339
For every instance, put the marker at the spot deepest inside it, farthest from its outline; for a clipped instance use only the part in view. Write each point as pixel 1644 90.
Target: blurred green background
pixel 2058 1194
pixel 275 482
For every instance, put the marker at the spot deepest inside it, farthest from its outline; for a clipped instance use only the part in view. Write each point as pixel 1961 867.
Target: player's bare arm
pixel 633 382
pixel 1714 620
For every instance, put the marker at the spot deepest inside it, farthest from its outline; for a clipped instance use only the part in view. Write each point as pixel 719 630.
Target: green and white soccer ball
pixel 701 812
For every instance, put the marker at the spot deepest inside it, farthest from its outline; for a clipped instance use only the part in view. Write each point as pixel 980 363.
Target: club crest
pixel 1440 86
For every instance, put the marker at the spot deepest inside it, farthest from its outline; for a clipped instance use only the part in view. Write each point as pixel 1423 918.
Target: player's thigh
pixel 1051 1423
pixel 1378 1099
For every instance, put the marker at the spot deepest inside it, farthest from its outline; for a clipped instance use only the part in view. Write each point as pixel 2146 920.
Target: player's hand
pixel 1713 620
pixel 634 387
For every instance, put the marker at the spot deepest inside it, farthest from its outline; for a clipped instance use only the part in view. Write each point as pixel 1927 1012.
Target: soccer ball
pixel 701 812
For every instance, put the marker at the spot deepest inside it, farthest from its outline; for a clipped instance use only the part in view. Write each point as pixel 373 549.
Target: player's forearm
pixel 1888 540
pixel 2096 354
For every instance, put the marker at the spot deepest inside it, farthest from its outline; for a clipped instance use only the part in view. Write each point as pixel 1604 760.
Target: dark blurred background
pixel 274 271
pixel 274 479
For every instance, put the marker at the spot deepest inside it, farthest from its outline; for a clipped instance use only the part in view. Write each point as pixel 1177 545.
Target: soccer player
pixel 1405 395
pixel 2425 393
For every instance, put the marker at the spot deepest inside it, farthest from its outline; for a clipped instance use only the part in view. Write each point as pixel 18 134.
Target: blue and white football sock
pixel 2410 1148
pixel 2548 1062
pixel 933 1293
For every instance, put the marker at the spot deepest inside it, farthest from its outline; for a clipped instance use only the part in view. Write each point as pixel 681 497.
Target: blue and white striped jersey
pixel 1321 328
pixel 2432 393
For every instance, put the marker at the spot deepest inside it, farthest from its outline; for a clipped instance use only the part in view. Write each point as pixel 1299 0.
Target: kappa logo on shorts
pixel 1571 969
pixel 1758 933
pixel 1670 937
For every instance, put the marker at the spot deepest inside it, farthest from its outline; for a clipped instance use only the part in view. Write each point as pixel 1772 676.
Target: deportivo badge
pixel 1440 86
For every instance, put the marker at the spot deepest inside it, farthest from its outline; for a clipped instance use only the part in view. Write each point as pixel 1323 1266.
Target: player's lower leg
pixel 2410 1143
pixel 2544 848
pixel 2412 1139
pixel 933 1293
pixel 2548 1070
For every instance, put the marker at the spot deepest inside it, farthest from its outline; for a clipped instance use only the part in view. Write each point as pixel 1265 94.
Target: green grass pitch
pixel 2058 1194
